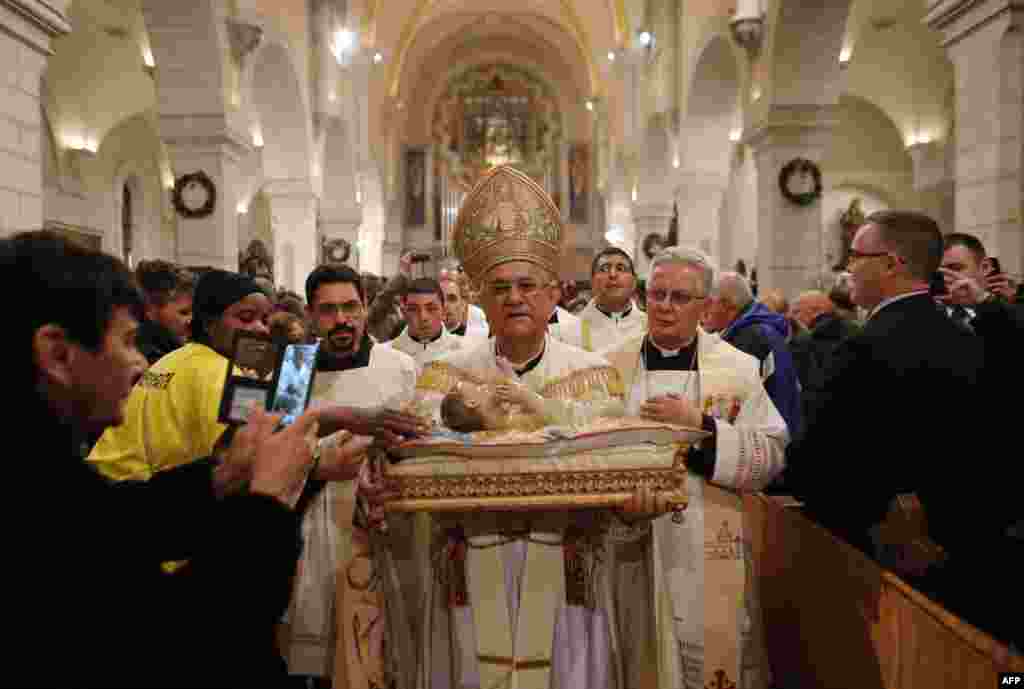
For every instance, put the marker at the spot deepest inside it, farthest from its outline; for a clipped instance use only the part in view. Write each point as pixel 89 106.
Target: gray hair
pixel 733 289
pixel 689 257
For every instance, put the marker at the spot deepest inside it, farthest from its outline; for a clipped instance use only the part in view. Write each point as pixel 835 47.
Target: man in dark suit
pixel 898 412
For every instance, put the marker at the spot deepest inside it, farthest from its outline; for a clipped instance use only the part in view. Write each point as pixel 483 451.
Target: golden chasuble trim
pixel 438 376
pixel 580 384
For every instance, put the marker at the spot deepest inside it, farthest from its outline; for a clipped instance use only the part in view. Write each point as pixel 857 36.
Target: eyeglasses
pixel 855 256
pixel 676 298
pixel 348 308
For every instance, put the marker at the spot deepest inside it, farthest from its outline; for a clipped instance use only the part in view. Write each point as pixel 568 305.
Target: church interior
pixel 272 136
pixel 354 129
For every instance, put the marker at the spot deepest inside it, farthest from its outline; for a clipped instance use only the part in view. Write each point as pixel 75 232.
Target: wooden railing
pixel 834 618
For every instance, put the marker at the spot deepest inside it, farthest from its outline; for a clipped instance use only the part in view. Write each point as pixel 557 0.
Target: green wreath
pixel 177 196
pixel 800 166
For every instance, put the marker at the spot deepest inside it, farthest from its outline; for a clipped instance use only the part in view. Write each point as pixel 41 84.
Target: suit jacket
pixel 900 409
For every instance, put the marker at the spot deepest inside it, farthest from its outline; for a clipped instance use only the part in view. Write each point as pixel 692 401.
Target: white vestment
pixel 600 331
pixel 568 329
pixel 423 352
pixel 683 634
pixel 516 625
pixel 476 322
pixel 389 378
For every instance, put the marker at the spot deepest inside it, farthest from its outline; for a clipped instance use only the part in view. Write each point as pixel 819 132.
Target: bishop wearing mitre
pixel 511 605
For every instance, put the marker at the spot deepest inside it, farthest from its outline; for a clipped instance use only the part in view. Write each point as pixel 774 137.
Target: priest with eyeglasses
pixel 687 607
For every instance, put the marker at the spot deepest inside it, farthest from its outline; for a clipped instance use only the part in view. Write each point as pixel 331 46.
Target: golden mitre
pixel 507 217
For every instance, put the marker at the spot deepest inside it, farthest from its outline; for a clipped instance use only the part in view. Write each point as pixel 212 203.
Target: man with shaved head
pixel 751 327
pixel 809 305
pixel 812 350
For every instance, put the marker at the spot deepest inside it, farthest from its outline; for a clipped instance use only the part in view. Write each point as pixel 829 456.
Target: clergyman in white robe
pixel 688 608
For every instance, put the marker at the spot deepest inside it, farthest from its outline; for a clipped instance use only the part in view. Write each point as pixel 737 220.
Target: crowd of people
pixel 169 548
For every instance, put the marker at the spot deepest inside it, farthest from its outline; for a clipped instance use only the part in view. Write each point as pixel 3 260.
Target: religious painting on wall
pixel 579 182
pixel 415 188
pixel 496 115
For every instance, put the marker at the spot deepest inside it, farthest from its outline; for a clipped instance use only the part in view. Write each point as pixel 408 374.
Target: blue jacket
pixel 762 333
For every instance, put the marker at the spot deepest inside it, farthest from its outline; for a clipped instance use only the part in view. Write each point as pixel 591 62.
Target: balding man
pixel 809 305
pixel 813 349
pixel 751 327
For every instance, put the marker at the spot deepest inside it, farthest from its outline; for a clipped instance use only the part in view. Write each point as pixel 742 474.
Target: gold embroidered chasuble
pixel 683 634
pixel 514 600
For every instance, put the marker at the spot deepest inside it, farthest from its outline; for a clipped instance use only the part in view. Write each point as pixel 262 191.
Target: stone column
pixel 27 26
pixel 564 191
pixel 984 42
pixel 205 143
pixel 699 197
pixel 293 218
pixel 933 180
pixel 790 255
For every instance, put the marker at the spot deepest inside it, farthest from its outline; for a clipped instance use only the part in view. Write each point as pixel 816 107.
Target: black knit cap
pixel 215 292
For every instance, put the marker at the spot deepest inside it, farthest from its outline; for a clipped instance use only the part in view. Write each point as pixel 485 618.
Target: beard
pixel 341 340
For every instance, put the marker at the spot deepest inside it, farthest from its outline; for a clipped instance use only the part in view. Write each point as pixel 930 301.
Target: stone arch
pixel 711 108
pixel 279 109
pixel 866 154
pixel 704 149
pixel 803 45
pixel 131 155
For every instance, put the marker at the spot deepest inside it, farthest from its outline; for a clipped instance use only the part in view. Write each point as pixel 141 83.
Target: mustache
pixel 342 330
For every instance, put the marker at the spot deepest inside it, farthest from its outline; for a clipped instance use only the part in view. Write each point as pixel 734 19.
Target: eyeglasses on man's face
pixel 347 308
pixel 675 297
pixel 854 256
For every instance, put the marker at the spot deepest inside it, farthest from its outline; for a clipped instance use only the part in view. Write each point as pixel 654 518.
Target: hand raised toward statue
pixel 672 409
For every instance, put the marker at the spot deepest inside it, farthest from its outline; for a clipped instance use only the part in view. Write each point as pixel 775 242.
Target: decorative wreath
pixel 800 166
pixel 653 243
pixel 336 250
pixel 182 183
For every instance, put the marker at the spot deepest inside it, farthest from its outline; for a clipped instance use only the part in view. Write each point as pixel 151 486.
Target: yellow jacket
pixel 170 417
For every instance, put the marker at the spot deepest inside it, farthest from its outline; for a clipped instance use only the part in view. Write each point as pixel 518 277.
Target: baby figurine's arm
pixel 511 392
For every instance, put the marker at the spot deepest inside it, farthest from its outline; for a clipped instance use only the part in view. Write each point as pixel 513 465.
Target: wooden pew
pixel 834 618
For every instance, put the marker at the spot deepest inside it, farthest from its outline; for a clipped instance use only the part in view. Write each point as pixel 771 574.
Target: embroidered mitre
pixel 507 217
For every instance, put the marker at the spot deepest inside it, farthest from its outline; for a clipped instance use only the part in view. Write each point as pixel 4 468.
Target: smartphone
pixel 937 287
pixel 293 383
pixel 996 268
pixel 250 372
